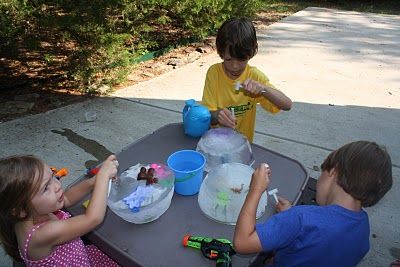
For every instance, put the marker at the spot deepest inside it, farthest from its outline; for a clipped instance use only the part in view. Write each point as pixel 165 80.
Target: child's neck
pixel 340 197
pixel 37 219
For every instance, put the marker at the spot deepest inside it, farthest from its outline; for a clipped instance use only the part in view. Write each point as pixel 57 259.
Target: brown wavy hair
pixel 238 35
pixel 364 170
pixel 18 184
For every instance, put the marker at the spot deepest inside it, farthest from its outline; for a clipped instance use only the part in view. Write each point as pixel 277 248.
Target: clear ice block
pixel 224 190
pixel 152 204
pixel 224 145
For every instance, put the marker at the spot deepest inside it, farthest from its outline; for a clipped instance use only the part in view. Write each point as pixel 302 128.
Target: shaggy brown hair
pixel 364 170
pixel 238 35
pixel 18 184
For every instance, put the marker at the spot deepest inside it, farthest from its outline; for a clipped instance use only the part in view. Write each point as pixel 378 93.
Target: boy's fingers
pixel 112 157
pixel 281 199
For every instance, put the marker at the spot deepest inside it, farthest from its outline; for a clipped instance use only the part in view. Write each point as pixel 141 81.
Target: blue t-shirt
pixel 316 236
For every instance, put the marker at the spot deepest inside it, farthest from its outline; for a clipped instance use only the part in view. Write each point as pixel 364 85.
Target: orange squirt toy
pixel 59 173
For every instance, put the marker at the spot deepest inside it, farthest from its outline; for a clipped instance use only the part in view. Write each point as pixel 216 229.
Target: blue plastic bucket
pixel 188 167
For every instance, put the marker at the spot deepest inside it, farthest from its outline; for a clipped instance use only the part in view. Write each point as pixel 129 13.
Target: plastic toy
pixel 196 118
pixel 274 193
pixel 223 191
pixel 218 249
pixel 148 175
pixel 59 173
pixel 136 201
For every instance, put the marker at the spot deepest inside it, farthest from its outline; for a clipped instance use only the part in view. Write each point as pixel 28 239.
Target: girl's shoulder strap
pixel 61 215
pixel 24 253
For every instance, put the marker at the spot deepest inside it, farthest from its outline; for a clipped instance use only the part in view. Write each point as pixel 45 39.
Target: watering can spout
pixel 196 118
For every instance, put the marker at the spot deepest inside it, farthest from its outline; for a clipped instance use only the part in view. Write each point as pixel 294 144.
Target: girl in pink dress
pixel 32 225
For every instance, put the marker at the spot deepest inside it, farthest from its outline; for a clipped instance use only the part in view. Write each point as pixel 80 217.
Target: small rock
pixel 201 49
pixel 204 49
pixel 176 62
pixel 90 116
pixel 315 168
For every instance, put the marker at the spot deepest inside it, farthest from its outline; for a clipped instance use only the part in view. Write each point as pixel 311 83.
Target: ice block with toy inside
pixel 142 193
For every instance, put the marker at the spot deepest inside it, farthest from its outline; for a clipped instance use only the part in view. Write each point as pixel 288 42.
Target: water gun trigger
pixel 209 253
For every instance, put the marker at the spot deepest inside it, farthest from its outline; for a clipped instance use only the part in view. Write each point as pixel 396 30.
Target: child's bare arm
pixel 273 95
pixel 245 238
pixel 77 192
pixel 61 231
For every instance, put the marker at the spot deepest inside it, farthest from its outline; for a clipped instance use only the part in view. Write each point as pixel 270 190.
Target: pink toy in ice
pixel 161 170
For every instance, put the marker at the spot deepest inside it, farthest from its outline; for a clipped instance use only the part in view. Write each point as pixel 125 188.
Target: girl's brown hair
pixel 364 170
pixel 238 35
pixel 18 184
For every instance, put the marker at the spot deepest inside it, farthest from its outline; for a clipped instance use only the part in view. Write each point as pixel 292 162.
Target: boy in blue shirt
pixel 335 233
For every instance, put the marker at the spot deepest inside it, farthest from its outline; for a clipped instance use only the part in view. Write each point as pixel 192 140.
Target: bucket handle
pixel 187 177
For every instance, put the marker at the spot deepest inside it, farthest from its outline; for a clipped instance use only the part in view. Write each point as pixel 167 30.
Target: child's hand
pixel 225 118
pixel 109 167
pixel 253 87
pixel 260 178
pixel 283 204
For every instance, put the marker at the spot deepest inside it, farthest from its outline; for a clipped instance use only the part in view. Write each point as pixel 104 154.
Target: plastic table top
pixel 159 243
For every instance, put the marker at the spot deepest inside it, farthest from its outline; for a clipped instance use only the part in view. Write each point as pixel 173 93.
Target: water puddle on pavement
pixel 90 146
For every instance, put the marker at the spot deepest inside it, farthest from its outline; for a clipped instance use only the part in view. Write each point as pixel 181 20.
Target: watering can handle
pixel 188 104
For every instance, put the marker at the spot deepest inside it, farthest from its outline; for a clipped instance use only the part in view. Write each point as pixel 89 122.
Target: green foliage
pixel 13 17
pixel 103 37
pixel 107 35
pixel 203 17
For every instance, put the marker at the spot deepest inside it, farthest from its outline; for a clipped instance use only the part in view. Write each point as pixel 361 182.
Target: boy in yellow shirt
pixel 236 45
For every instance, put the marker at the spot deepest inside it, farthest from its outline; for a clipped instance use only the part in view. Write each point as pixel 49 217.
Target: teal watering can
pixel 196 118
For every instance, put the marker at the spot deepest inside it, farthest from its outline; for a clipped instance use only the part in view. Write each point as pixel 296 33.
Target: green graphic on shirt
pixel 241 109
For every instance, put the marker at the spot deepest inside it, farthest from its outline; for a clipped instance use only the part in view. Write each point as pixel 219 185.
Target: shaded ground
pixel 31 83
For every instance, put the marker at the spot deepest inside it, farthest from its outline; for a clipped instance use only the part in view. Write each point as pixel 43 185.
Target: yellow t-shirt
pixel 219 92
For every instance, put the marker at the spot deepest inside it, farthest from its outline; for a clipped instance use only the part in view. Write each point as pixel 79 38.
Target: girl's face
pixel 50 196
pixel 233 67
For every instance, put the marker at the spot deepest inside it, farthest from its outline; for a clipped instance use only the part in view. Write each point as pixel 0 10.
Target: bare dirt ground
pixel 30 85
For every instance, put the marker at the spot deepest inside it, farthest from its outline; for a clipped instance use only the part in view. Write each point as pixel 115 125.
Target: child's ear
pixel 332 173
